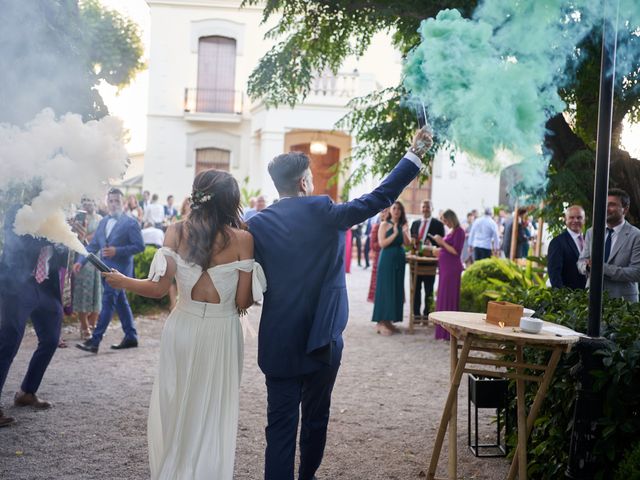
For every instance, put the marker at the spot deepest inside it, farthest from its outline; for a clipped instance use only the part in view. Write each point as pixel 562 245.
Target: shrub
pixel 141 264
pixel 617 380
pixel 490 278
pixel 630 466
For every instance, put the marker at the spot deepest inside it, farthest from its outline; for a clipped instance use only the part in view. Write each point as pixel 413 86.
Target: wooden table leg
pixel 446 413
pixel 522 418
pixel 537 404
pixel 453 422
pixel 412 292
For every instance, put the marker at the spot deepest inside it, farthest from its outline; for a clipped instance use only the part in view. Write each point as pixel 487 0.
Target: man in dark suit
pixel 564 251
pixel 117 239
pixel 420 231
pixel 305 307
pixel 29 289
pixel 367 243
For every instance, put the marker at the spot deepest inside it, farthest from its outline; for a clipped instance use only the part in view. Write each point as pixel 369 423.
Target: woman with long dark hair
pixel 193 413
pixel 393 233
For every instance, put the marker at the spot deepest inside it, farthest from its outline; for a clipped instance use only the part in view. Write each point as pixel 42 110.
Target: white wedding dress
pixel 193 414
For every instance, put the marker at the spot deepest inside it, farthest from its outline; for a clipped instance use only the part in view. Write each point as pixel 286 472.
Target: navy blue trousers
pixel 286 397
pixel 114 300
pixel 481 253
pixel 45 311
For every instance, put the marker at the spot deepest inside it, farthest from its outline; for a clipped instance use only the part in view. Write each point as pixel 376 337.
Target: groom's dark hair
pixel 287 169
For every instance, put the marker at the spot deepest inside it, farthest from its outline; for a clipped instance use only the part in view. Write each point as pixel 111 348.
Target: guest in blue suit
pixel 117 239
pixel 564 250
pixel 29 289
pixel 300 242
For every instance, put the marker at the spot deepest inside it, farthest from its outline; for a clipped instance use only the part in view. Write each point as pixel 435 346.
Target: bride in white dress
pixel 193 414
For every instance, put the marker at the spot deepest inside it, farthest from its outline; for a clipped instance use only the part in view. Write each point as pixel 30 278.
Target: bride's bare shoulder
pixel 243 240
pixel 173 235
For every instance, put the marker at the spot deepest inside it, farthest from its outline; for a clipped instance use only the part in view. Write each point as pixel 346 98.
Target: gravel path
pixel 386 407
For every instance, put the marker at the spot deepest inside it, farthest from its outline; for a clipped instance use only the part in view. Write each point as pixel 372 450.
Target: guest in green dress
pixel 393 234
pixel 87 285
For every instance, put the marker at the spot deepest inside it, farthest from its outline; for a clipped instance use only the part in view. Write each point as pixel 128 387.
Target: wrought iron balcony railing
pixel 209 100
pixel 342 84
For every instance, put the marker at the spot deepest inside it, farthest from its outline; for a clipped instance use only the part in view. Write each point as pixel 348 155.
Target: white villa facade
pixel 199 116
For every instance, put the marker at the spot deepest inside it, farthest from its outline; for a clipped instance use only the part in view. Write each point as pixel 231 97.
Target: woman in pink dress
pixel 449 268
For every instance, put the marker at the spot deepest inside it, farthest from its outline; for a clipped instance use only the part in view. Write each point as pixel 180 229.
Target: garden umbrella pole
pixel 588 406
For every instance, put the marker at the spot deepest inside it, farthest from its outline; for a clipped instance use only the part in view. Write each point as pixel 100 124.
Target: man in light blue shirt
pixel 483 238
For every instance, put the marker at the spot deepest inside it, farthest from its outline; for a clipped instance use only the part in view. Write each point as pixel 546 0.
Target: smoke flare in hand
pixel 70 158
pixel 492 81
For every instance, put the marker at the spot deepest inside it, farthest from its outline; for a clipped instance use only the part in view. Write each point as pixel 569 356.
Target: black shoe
pixel 126 343
pixel 87 346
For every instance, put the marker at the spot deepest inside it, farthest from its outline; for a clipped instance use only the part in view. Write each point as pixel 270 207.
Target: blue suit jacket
pixel 19 259
pixel 300 242
pixel 127 239
pixel 562 258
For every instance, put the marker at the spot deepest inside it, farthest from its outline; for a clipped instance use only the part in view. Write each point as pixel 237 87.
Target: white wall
pixel 462 186
pixel 259 133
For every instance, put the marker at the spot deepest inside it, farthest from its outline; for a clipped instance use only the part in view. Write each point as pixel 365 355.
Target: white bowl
pixel 527 312
pixel 530 325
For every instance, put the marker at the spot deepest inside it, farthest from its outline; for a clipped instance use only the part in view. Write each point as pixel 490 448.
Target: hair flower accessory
pixel 199 198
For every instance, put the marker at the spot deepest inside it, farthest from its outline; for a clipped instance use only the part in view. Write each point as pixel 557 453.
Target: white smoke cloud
pixel 70 157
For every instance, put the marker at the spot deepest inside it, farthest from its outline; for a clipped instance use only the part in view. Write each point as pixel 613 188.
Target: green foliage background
pixel 618 379
pixel 315 36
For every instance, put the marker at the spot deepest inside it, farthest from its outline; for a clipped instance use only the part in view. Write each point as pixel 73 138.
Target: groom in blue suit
pixel 300 242
pixel 116 240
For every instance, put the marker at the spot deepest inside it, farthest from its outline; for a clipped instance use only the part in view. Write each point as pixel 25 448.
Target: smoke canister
pixel 99 264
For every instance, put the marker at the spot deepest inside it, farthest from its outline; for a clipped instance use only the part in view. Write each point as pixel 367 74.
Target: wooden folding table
pixel 478 336
pixel 418 265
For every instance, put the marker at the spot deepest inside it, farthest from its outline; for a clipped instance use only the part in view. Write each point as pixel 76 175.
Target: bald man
pixel 564 251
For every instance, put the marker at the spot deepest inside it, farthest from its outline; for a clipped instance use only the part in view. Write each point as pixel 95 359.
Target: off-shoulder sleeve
pixel 258 279
pixel 158 266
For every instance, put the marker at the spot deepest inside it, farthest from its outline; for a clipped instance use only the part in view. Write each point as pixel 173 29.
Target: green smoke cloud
pixel 491 82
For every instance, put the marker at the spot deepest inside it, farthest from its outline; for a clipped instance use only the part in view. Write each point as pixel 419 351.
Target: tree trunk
pixel 624 170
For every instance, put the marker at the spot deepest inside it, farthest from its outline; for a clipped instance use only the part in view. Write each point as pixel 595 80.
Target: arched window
pixel 216 74
pixel 207 158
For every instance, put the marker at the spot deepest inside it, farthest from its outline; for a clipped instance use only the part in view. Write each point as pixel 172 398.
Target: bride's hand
pixel 115 279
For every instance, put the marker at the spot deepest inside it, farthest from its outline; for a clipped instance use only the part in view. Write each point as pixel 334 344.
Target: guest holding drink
pixel 393 234
pixel 450 268
pixel 87 285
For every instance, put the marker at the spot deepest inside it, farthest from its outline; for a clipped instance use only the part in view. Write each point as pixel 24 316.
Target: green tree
pixel 56 52
pixel 316 35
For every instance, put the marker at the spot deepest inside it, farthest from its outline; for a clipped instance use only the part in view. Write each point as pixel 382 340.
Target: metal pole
pixel 588 407
pixel 601 184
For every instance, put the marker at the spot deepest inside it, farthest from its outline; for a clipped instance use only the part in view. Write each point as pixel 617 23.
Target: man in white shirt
pixel 621 250
pixel 154 213
pixel 564 251
pixel 483 237
pixel 152 236
pixel 420 231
